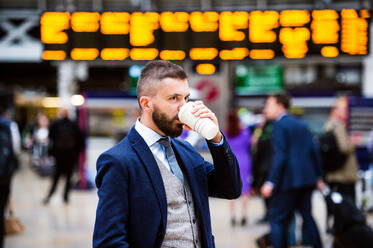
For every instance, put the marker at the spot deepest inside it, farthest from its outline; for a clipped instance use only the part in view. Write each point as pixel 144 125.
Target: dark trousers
pixel 281 209
pixel 4 195
pixel 64 167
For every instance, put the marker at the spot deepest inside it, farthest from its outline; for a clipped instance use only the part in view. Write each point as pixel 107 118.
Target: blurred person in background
pixel 39 138
pixel 66 144
pixel 153 189
pixel 295 171
pixel 14 131
pixel 239 139
pixel 16 136
pixel 8 164
pixel 370 150
pixel 342 180
pixel 262 154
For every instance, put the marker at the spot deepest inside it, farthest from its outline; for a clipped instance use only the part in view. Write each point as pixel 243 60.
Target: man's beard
pixel 166 125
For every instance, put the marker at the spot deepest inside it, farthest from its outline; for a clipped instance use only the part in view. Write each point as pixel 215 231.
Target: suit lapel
pixel 152 170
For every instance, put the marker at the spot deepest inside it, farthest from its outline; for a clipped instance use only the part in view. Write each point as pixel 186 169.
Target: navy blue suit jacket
pixel 296 160
pixel 132 207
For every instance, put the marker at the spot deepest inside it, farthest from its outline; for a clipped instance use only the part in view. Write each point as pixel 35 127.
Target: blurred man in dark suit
pixel 67 142
pixel 295 172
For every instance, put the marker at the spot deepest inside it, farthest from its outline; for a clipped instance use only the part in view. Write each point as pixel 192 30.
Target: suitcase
pixel 350 227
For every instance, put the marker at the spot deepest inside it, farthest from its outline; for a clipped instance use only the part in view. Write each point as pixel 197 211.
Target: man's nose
pixel 182 102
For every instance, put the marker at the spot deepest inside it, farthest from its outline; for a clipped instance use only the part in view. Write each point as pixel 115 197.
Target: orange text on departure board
pixel 259 34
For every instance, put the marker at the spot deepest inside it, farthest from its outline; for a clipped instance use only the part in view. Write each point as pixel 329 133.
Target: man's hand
pixel 200 110
pixel 356 139
pixel 266 190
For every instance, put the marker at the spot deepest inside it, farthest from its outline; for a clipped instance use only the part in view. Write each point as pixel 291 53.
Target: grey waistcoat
pixel 182 230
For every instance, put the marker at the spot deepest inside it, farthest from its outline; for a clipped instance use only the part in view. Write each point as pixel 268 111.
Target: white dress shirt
pixel 151 137
pixel 16 137
pixel 281 115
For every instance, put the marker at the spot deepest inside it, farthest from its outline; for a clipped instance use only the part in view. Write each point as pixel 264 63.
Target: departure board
pixel 204 35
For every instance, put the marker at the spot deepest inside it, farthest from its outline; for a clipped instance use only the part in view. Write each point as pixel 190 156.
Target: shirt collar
pixel 148 134
pixel 281 116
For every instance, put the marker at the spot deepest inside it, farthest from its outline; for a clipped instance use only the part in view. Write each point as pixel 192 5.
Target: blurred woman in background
pixel 239 140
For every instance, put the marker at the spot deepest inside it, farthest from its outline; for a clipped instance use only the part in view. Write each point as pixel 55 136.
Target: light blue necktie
pixel 174 165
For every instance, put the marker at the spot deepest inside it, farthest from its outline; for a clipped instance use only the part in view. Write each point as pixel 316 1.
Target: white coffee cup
pixel 204 126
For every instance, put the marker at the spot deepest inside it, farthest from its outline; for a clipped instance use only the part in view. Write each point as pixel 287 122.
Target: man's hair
pixel 283 98
pixel 233 126
pixel 154 72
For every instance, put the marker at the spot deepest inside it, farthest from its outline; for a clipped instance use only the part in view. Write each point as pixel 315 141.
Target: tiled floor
pixel 70 226
pixel 56 225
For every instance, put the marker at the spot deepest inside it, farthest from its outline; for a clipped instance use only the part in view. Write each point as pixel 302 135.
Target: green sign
pixel 258 79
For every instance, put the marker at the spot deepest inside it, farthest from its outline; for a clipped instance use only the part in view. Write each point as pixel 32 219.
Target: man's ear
pixel 146 103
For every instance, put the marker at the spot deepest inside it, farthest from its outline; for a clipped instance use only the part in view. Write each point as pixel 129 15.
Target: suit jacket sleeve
pixel 317 160
pixel 280 154
pixel 51 132
pixel 224 179
pixel 112 209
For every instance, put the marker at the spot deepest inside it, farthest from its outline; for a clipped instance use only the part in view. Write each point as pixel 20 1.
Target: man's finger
pixel 201 111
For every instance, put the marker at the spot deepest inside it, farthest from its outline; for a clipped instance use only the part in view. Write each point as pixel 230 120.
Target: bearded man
pixel 153 189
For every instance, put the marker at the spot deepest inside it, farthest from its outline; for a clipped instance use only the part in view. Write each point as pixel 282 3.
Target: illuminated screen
pixel 204 36
pixel 258 79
